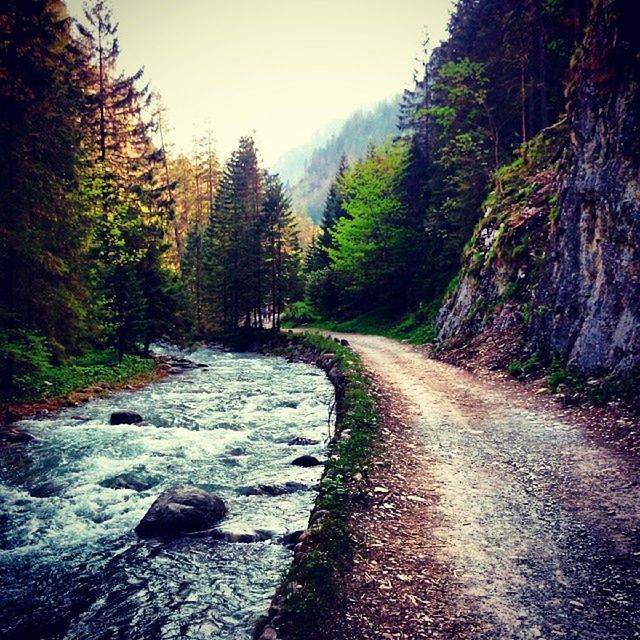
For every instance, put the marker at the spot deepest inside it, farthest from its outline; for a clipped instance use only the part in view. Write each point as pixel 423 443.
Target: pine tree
pixel 127 188
pixel 282 254
pixel 233 251
pixel 42 229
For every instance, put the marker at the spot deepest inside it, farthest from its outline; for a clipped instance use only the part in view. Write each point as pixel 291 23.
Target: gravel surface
pixel 488 516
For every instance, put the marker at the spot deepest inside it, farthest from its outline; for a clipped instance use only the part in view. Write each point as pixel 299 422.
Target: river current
pixel 71 565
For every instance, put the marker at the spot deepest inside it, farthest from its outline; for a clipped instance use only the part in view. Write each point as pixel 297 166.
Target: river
pixel 70 563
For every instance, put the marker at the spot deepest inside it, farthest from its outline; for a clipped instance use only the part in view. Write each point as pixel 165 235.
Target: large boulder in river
pixel 125 417
pixel 182 509
pixel 306 461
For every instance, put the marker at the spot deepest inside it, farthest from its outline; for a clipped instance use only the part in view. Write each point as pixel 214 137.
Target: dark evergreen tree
pixel 282 254
pixel 232 251
pixel 126 184
pixel 43 291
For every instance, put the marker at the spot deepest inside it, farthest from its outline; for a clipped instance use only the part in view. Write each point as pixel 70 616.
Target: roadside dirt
pixel 489 515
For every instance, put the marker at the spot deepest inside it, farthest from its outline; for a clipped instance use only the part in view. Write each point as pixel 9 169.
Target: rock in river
pixel 302 442
pixel 125 417
pixel 182 509
pixel 307 461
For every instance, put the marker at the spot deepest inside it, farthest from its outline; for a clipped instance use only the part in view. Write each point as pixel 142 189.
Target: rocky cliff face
pixel 490 306
pixel 590 285
pixel 556 259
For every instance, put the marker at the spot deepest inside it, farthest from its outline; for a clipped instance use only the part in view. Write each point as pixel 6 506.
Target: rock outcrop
pixel 589 291
pixel 553 268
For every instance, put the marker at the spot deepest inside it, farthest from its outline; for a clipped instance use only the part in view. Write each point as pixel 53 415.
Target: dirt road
pixel 493 519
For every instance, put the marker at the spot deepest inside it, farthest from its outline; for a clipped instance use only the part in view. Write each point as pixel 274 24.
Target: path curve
pixel 535 524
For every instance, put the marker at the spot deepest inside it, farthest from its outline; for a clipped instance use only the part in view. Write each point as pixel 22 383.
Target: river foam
pixel 71 565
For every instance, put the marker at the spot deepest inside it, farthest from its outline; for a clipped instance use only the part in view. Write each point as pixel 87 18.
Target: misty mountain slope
pixel 320 165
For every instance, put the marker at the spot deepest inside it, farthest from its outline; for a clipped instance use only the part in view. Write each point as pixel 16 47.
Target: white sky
pixel 279 68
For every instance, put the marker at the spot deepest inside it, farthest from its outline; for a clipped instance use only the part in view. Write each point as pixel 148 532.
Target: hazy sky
pixel 281 68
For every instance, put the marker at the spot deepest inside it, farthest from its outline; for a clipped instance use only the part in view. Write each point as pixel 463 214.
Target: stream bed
pixel 71 565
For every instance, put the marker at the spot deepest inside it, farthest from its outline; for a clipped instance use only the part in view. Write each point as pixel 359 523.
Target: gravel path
pixel 489 517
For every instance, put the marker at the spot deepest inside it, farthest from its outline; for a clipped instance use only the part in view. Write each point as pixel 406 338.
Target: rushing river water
pixel 70 564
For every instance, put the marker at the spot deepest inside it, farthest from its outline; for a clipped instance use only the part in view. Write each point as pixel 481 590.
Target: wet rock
pixel 292 538
pixel 274 489
pixel 182 509
pixel 242 538
pixel 46 490
pixel 302 442
pixel 13 436
pixel 79 418
pixel 132 481
pixel 317 517
pixel 269 634
pixel 306 461
pixel 260 625
pixel 344 343
pixel 125 417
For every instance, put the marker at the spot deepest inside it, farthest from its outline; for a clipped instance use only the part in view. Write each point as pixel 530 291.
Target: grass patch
pixel 98 366
pixel 417 327
pixel 312 585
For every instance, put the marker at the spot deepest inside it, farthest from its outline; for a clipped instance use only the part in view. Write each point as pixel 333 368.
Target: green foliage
pixel 299 313
pixel 520 369
pixel 417 327
pixel 27 355
pixel 452 287
pixel 313 582
pixel 96 367
pixel 251 254
pixel 369 251
pixel 36 378
pixel 510 291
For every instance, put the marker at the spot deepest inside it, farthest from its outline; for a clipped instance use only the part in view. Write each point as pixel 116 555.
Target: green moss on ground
pixel 312 584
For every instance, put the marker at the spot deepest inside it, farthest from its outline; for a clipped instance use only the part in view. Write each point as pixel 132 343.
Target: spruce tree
pixel 42 230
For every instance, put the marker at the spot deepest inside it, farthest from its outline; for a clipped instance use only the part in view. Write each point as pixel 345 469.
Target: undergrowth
pixel 569 381
pixel 417 327
pixel 99 366
pixel 313 583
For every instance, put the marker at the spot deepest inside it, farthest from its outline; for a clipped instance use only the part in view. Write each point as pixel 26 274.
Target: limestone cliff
pixel 590 285
pixel 555 261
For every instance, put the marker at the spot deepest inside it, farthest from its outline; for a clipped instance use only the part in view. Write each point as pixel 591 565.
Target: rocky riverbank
pixel 302 605
pixel 42 409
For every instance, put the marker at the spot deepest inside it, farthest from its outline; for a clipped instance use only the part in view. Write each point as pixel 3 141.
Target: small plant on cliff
pixel 521 369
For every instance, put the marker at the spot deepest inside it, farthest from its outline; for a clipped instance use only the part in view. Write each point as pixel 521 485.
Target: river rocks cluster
pixel 275 489
pixel 175 365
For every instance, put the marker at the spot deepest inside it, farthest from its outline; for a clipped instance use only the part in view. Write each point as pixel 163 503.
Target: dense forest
pixel 109 243
pixel 407 210
pixel 493 214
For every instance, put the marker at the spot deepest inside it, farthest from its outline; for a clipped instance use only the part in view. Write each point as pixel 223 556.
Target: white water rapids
pixel 70 563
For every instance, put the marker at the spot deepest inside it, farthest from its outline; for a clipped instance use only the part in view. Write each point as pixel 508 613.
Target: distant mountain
pixel 317 165
pixel 291 164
